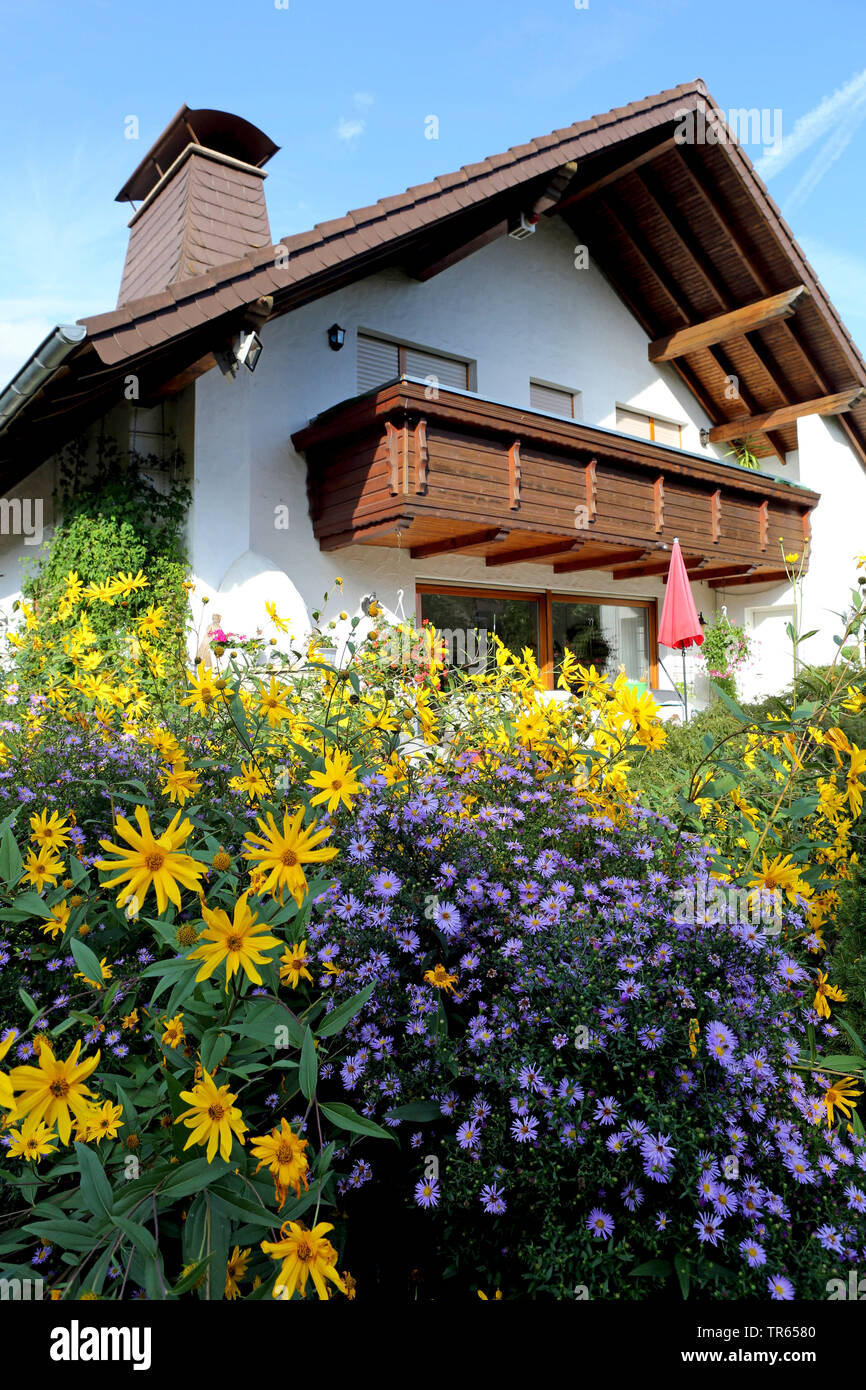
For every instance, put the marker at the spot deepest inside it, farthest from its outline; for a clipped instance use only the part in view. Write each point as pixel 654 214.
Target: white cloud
pixel 363 99
pixel 348 129
pixel 823 119
pixel 828 154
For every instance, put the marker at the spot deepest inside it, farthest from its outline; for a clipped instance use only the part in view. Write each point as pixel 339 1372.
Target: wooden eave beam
pixel 701 179
pixel 533 552
pixel 723 572
pixel 338 540
pixel 757 577
pixel 662 147
pixel 834 404
pixel 725 326
pixel 448 544
pixel 716 285
pixel 600 562
pixel 426 269
pixel 653 263
pixel 692 562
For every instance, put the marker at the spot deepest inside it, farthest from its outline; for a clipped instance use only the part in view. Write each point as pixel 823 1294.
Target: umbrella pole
pixel 685 687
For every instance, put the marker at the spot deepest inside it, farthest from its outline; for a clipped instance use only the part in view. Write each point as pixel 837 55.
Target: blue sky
pixel 345 88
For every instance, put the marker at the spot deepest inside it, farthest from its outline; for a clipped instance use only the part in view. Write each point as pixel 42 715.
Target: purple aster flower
pixel 781 1290
pixel 427 1193
pixel 599 1224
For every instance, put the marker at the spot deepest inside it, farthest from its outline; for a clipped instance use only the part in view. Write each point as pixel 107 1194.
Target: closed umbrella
pixel 679 626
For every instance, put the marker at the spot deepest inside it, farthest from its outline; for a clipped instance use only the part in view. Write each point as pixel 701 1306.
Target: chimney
pixel 202 196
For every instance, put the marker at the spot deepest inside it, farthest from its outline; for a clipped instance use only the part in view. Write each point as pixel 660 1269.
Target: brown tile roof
pixel 330 244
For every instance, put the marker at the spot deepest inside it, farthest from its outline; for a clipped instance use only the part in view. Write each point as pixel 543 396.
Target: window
pixel 554 400
pixel 649 427
pixel 381 360
pixel 467 622
pixel 152 434
pixel 606 634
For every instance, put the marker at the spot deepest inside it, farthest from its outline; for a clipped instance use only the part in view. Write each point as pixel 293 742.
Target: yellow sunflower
pixel 151 861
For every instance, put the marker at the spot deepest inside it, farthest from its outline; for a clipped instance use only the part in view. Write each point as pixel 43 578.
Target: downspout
pixel 39 368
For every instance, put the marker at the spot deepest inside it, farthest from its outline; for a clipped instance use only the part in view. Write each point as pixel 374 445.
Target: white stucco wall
pixel 825 462
pixel 518 310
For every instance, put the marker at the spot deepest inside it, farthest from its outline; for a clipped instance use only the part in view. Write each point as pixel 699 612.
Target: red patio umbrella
pixel 679 626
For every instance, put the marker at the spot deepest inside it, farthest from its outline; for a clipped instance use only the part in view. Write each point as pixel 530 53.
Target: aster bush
pixel 290 933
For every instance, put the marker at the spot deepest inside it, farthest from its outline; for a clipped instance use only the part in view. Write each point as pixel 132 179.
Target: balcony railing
pixel 435 471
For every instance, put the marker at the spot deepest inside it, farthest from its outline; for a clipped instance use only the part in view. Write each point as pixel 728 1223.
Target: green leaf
pixel 214 1047
pixel 137 1234
pixel 86 961
pixel 192 1276
pixel 340 1016
pixel 309 1068
pixel 841 1061
pixel 731 704
pixel 95 1187
pixel 421 1111
pixel 655 1269
pixel 344 1117
pixel 683 1271
pixel 29 1003
pixel 11 862
pixel 31 905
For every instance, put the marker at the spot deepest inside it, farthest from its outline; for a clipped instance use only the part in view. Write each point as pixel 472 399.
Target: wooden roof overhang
pixel 686 234
pixel 462 474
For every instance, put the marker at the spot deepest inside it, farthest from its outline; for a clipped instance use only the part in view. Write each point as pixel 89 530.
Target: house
pixel 492 401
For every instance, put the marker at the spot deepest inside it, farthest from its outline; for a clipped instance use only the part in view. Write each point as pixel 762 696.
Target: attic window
pixel 381 360
pixel 649 427
pixel 554 400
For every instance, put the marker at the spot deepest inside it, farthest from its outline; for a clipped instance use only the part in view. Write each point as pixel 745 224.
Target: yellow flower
pixel 212 1117
pixel 253 780
pixel 32 1141
pixel 153 621
pixel 781 873
pixel 840 1094
pixel 825 992
pixel 497 1297
pixel 283 1152
pixel 241 943
pixel 129 1021
pixel 856 770
pixel 221 861
pixel 104 1122
pixel 272 703
pixel 174 1034
pixel 203 692
pixel 278 622
pixel 236 1271
pixel 694 1029
pixel 58 921
pixel 180 783
pixel 281 854
pixel 126 584
pixel 52 1089
pixel 338 781
pixel 440 979
pixel 305 1255
pixel 41 867
pixel 50 833
pixel 151 861
pixel 293 965
pixel 856 700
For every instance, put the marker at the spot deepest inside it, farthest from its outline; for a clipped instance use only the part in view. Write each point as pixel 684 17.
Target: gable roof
pixel 683 232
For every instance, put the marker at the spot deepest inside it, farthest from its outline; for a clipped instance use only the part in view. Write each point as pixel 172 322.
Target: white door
pixel 771 668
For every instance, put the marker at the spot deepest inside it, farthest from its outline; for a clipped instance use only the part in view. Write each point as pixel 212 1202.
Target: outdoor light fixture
pixel 336 337
pixel 245 350
pixel 248 350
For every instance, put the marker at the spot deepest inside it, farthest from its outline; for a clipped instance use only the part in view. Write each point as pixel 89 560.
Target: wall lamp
pixel 336 337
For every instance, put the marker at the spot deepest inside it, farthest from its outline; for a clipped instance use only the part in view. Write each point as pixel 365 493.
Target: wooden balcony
pixel 458 473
